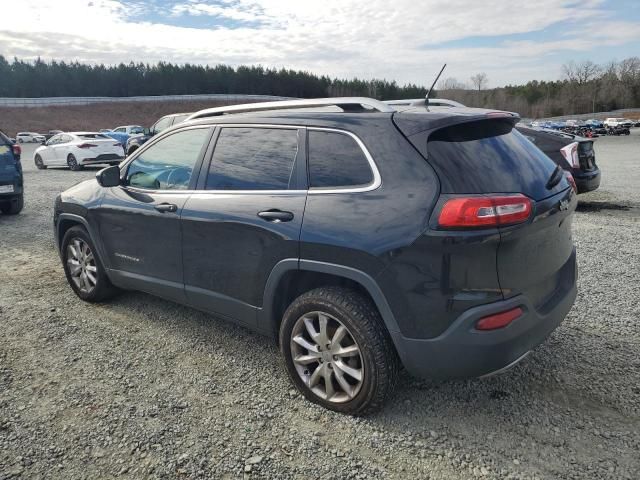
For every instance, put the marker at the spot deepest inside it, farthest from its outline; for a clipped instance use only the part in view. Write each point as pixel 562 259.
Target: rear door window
pixel 253 159
pixel 337 161
pixel 489 156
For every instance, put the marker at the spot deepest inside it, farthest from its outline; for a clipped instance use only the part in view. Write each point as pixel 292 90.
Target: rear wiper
pixel 555 177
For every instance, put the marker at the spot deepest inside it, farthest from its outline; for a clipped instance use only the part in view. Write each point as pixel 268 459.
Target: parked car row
pixel 590 128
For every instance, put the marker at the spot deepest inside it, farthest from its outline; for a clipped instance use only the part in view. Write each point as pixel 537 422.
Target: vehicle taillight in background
pixel 87 145
pixel 572 181
pixel 17 150
pixel 485 211
pixel 570 154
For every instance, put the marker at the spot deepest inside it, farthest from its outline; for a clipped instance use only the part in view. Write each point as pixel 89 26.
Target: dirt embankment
pixel 94 116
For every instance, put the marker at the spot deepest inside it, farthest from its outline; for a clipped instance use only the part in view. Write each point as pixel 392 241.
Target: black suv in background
pixel 360 237
pixel 135 142
pixel 573 153
pixel 11 182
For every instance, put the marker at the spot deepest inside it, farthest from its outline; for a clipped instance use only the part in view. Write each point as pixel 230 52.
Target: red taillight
pixel 485 211
pixel 17 150
pixel 499 320
pixel 572 181
pixel 87 145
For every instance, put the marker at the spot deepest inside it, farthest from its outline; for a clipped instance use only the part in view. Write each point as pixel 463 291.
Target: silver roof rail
pixel 420 102
pixel 347 103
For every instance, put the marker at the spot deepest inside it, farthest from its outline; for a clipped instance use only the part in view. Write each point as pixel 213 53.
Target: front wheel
pixel 73 164
pixel 338 352
pixel 83 268
pixel 13 206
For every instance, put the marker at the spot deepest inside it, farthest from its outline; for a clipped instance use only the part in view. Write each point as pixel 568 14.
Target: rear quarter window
pixel 337 161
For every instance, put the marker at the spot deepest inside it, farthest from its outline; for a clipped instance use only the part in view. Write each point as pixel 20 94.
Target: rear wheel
pixel 73 164
pixel 39 163
pixel 83 268
pixel 337 351
pixel 13 206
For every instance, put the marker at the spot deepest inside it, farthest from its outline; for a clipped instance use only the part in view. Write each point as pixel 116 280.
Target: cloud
pixel 365 38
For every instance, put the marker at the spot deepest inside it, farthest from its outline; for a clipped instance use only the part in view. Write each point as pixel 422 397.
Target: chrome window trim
pixel 377 179
pixel 374 185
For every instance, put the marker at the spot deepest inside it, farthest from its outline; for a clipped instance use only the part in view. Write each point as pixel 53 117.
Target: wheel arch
pixel 291 278
pixel 68 220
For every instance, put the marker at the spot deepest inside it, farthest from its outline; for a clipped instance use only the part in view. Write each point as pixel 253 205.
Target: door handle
pixel 166 207
pixel 276 216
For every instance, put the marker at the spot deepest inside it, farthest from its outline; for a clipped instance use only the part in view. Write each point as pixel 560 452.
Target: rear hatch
pixel 489 159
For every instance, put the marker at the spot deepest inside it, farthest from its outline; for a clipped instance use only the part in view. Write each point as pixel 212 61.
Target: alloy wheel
pixel 326 357
pixel 82 265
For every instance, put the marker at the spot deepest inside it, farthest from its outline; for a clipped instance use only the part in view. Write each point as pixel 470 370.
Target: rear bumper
pixel 108 158
pixel 586 181
pixel 464 352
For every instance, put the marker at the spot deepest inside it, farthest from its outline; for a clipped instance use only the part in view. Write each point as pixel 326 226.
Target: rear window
pixel 336 160
pixel 93 136
pixel 489 156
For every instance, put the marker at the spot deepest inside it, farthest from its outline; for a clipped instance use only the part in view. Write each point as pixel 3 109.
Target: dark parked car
pixel 162 124
pixel 573 153
pixel 360 237
pixel 11 182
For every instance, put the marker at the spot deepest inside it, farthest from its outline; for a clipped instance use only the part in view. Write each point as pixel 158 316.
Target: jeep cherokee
pixel 359 237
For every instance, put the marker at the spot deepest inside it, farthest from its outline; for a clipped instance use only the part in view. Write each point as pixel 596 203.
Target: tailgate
pixel 537 258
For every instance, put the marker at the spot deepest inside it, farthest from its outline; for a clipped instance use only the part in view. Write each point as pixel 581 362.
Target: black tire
pixel 39 163
pixel 20 140
pixel 103 288
pixel 13 206
pixel 73 163
pixel 379 360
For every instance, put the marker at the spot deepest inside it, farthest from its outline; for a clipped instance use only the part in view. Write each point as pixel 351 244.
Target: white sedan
pixel 77 149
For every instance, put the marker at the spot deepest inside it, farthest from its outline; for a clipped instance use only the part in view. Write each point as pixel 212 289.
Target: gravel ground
pixel 143 388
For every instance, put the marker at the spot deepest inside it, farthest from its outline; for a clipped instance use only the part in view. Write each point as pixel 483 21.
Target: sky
pixel 512 41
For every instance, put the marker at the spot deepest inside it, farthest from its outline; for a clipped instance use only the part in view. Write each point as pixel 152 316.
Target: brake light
pixel 572 181
pixel 87 145
pixel 485 211
pixel 570 154
pixel 17 150
pixel 499 320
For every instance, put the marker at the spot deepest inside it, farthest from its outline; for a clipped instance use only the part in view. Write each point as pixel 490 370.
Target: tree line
pixel 585 87
pixel 25 79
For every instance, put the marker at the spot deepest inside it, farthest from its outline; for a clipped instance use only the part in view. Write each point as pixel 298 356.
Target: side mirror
pixel 147 132
pixel 109 177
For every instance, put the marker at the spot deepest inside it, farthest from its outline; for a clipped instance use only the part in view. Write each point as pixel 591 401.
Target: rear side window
pixel 489 156
pixel 253 159
pixel 336 160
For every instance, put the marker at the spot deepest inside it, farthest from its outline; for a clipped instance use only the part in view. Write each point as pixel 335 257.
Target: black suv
pixel 359 237
pixel 11 181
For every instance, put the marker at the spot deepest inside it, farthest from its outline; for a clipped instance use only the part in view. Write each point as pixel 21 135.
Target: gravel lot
pixel 143 388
